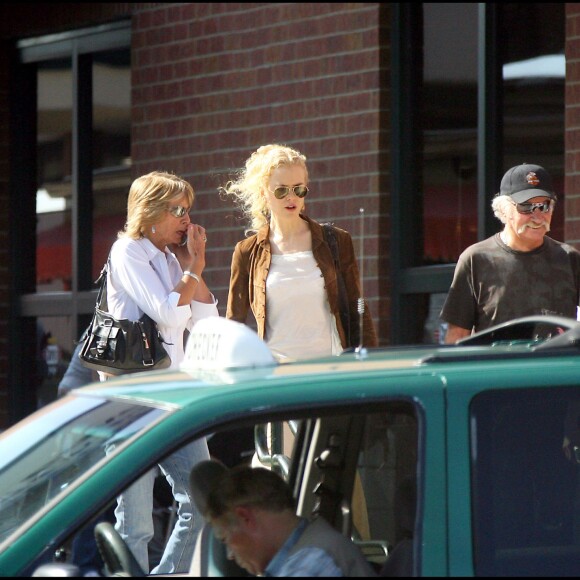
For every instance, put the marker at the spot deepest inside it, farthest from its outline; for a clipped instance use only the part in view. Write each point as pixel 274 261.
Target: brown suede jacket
pixel 250 266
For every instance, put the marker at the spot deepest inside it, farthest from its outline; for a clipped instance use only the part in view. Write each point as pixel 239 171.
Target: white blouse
pixel 141 279
pixel 299 323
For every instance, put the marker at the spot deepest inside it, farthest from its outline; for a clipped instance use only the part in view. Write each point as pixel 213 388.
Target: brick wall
pixel 572 124
pixel 212 82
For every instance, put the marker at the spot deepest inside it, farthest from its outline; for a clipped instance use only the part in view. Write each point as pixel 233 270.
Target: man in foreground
pixel 252 511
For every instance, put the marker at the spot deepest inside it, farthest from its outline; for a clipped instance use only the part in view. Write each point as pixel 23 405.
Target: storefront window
pixel 530 54
pixel 109 159
pixel 449 119
pixel 531 51
pixel 534 70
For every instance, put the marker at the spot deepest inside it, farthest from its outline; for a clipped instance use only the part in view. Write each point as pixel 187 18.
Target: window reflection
pixel 54 169
pixel 40 460
pixel 111 166
pixel 531 50
pixel 449 116
pixel 111 162
pixel 533 92
pixel 525 490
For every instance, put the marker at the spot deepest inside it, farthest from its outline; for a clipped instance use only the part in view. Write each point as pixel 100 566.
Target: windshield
pixel 42 455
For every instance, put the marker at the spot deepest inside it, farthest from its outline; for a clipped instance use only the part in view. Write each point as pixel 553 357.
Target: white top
pixel 141 279
pixel 299 323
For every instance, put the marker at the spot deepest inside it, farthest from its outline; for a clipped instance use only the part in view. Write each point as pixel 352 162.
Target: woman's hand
pixel 192 256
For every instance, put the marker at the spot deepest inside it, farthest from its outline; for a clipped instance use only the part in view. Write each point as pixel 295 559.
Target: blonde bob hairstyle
pixel 149 197
pixel 248 190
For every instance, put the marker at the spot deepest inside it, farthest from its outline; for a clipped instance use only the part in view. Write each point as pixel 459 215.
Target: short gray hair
pixel 502 206
pixel 247 486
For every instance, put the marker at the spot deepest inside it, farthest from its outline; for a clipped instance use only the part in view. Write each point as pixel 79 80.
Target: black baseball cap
pixel 526 181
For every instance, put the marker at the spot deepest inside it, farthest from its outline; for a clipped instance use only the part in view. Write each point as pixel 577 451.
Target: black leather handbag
pixel 121 346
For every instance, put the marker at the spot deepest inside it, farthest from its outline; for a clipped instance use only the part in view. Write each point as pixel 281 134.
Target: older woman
pixel 284 272
pixel 151 271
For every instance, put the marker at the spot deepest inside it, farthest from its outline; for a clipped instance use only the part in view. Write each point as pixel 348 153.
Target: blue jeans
pixel 134 512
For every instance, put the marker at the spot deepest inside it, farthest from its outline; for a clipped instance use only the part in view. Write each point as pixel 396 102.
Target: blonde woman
pixel 283 271
pixel 151 271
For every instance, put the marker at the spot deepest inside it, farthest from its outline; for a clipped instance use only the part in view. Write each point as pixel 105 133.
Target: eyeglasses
pixel 529 208
pixel 178 211
pixel 298 190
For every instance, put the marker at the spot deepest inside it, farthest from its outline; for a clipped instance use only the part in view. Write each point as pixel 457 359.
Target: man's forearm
pixel 455 333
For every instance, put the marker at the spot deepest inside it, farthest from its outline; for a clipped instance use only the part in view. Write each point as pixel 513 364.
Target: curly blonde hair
pixel 252 181
pixel 149 198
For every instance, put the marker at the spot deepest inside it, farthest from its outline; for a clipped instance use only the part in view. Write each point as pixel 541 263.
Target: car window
pixel 388 459
pixel 41 459
pixel 351 466
pixel 356 468
pixel 359 471
pixel 387 484
pixel 526 491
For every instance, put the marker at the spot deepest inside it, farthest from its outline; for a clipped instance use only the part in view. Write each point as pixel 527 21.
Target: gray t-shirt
pixel 493 284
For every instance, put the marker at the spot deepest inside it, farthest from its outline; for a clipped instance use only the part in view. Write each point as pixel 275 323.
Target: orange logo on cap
pixel 532 179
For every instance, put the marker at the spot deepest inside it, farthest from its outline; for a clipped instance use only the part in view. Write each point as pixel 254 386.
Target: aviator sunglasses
pixel 298 190
pixel 529 208
pixel 178 211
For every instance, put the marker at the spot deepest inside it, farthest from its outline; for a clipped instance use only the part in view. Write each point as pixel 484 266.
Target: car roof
pixel 184 387
pixel 224 355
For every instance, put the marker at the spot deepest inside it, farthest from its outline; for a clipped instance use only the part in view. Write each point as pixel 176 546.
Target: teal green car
pixel 458 460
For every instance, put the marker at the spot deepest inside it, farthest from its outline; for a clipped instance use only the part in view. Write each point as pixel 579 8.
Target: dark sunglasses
pixel 178 211
pixel 283 191
pixel 528 208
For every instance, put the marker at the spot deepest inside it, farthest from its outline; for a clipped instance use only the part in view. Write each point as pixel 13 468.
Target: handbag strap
pixel 330 237
pixel 102 295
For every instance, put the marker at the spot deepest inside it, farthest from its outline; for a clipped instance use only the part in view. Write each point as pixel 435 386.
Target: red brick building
pixel 410 111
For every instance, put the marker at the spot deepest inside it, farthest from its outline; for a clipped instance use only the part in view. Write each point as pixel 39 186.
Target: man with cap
pixel 252 511
pixel 520 271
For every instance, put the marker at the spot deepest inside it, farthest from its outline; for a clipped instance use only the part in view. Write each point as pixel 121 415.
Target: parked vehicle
pixel 456 454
